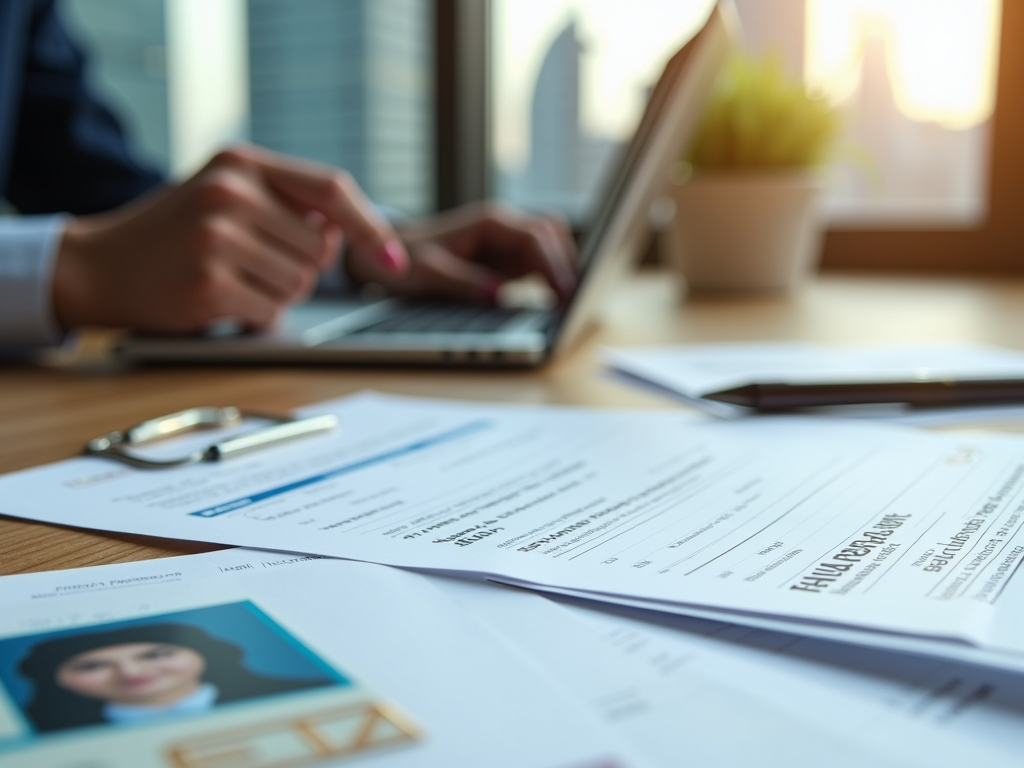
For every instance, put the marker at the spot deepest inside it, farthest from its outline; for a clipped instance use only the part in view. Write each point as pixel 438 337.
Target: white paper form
pixel 662 687
pixel 469 701
pixel 931 648
pixel 850 524
pixel 977 704
pixel 667 701
pixel 694 370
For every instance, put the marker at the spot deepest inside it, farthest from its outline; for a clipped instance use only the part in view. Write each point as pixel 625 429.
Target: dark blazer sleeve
pixel 69 151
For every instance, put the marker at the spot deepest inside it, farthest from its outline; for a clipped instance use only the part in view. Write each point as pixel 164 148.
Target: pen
pixel 776 396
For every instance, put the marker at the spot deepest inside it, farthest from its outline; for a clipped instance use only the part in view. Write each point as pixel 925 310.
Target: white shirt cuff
pixel 28 250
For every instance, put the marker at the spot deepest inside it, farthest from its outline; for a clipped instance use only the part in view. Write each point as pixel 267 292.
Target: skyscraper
pixel 348 82
pixel 566 163
pixel 555 118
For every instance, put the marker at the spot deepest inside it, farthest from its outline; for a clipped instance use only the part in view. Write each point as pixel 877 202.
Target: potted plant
pixel 745 213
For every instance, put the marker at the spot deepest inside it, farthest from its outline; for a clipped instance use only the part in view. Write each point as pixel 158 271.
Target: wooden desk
pixel 48 414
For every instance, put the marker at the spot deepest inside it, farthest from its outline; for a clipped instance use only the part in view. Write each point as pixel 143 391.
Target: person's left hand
pixel 469 253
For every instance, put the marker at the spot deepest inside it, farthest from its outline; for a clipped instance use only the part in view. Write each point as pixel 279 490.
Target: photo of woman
pixel 135 674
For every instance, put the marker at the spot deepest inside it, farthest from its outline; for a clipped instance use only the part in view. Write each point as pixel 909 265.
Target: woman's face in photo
pixel 152 674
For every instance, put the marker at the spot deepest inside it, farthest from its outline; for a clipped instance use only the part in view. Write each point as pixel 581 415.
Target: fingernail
pixel 489 290
pixel 315 220
pixel 393 257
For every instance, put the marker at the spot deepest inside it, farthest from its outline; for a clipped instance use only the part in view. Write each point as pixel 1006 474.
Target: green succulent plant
pixel 760 117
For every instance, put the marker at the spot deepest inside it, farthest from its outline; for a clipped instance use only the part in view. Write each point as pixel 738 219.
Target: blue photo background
pixel 268 649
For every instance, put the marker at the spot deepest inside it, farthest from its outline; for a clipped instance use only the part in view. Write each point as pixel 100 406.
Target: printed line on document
pixel 978 538
pixel 655 508
pixel 800 503
pixel 394 453
pixel 513 477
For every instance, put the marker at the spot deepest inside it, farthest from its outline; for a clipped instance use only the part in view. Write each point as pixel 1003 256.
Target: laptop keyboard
pixel 442 318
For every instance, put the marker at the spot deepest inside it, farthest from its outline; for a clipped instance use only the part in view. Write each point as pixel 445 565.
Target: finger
pixel 272 270
pixel 440 273
pixel 560 245
pixel 333 239
pixel 563 231
pixel 334 243
pixel 232 191
pixel 538 249
pixel 247 303
pixel 336 195
pixel 304 235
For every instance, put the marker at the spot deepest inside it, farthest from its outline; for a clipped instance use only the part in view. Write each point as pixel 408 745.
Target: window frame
pixel 996 246
pixel 462 45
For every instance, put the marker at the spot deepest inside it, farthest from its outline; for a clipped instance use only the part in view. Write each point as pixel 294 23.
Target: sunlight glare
pixel 942 54
pixel 625 47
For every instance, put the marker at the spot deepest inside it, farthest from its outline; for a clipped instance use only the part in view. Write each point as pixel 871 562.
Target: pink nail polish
pixel 489 290
pixel 393 257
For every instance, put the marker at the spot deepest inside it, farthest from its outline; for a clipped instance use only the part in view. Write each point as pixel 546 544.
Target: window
pixel 345 82
pixel 916 84
pixel 534 97
pixel 130 68
pixel 917 81
pixel 570 80
pixel 995 243
pixel 350 84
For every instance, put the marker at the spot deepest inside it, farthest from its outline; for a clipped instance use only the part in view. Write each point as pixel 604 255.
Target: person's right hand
pixel 243 238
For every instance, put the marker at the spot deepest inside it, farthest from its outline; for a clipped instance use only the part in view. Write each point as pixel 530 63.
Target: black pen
pixel 772 396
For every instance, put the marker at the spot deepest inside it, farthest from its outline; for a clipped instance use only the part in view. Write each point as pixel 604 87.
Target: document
pixel 690 371
pixel 704 682
pixel 263 659
pixel 651 693
pixel 966 702
pixel 825 523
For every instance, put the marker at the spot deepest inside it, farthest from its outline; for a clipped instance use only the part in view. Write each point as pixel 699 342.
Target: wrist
pixel 73 294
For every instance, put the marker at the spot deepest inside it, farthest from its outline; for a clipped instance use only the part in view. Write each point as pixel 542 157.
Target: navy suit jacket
pixel 61 149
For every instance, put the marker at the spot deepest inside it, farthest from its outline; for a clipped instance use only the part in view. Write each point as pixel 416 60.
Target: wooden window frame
pixel 462 44
pixel 995 247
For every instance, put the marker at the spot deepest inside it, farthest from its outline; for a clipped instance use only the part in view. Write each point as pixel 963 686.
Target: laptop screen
pixel 667 125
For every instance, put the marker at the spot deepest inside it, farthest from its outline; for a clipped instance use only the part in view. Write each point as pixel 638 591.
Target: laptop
pixel 395 331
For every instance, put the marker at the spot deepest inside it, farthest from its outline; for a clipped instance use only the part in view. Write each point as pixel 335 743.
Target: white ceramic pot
pixel 740 231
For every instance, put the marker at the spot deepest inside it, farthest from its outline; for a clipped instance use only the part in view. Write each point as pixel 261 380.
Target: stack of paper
pixel 691 372
pixel 872 535
pixel 400 669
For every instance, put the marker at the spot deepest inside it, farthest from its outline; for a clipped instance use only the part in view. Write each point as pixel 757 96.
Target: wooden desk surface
pixel 48 414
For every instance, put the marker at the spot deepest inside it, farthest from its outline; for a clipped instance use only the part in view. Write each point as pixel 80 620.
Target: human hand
pixel 469 253
pixel 242 238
